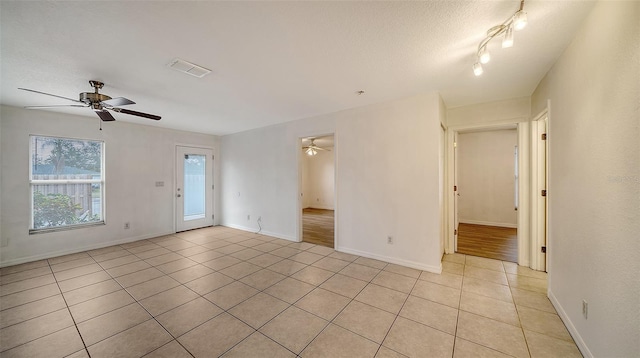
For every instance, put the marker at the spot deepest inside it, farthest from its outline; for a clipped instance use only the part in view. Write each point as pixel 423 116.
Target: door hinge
pixel 213 187
pixel 212 217
pixel 543 192
pixel 544 136
pixel 213 157
pixel 455 188
pixel 455 232
pixel 543 249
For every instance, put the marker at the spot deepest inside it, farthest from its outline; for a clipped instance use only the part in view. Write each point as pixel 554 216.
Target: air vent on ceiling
pixel 188 68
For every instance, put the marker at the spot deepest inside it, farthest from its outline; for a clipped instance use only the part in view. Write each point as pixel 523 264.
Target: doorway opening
pixel 194 188
pixel 317 190
pixel 486 192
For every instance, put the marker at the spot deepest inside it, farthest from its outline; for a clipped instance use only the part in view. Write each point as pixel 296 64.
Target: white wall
pixel 136 157
pixel 491 113
pixel 486 177
pixel 318 184
pixel 387 179
pixel 594 180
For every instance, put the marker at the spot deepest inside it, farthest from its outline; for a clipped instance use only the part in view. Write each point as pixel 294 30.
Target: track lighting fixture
pixel 516 22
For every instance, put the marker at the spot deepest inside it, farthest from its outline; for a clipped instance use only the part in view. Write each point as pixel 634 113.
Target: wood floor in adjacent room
pixel 317 226
pixel 493 242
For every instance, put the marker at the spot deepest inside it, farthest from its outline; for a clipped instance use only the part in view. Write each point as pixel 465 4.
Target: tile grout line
pixel 293 304
pixel 146 310
pixel 279 313
pixel 202 296
pixel 338 314
pixel 70 314
pixel 455 334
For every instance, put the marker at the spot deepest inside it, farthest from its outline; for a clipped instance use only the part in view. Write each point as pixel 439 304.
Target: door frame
pixel 522 129
pixel 299 157
pixel 175 181
pixel 539 224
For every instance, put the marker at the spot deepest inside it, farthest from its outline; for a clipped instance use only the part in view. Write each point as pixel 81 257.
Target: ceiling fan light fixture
pixel 311 152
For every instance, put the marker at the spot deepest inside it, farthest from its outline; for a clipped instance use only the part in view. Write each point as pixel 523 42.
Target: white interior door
pixel 456 192
pixel 538 194
pixel 542 187
pixel 194 188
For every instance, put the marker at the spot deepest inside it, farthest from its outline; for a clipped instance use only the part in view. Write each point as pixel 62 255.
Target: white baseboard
pixel 80 249
pixel 263 232
pixel 393 260
pixel 488 223
pixel 582 346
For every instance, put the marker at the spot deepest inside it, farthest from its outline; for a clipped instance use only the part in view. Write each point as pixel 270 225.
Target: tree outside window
pixel 67 181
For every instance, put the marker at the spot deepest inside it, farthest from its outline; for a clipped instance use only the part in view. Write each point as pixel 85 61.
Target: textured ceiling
pixel 272 62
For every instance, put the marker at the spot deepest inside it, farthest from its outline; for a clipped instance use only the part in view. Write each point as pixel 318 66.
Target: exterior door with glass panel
pixel 194 188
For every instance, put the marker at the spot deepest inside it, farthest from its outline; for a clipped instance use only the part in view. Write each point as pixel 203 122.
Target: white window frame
pixel 33 182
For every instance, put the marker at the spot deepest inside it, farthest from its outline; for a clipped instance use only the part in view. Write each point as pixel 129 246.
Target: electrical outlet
pixel 248 217
pixel 127 226
pixel 585 308
pixel 390 240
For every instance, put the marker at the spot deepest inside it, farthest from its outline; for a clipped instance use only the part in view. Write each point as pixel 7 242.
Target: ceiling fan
pixel 312 149
pixel 100 103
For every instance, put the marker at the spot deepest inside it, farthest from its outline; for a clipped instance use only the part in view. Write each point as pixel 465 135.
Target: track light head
pixel 484 56
pixel 507 41
pixel 520 20
pixel 477 69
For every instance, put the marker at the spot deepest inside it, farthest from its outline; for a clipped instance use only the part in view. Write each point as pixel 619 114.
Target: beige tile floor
pixel 223 292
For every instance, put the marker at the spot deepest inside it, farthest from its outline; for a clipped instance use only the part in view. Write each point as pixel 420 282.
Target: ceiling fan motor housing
pixel 93 98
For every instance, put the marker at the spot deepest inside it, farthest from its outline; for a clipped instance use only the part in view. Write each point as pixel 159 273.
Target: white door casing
pixel 194 188
pixel 456 192
pixel 538 185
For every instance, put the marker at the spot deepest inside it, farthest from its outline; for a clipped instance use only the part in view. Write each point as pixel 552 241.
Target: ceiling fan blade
pixel 49 94
pixel 57 105
pixel 135 113
pixel 105 116
pixel 118 101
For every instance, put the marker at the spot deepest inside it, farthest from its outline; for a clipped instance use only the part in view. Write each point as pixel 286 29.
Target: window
pixel 66 177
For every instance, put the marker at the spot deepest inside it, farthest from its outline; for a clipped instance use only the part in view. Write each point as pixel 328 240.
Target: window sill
pixel 64 228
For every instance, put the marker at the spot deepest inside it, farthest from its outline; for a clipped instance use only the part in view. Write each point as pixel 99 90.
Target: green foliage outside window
pixel 53 210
